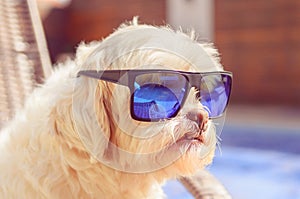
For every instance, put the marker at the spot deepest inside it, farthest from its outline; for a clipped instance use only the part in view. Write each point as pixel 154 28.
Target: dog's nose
pixel 200 116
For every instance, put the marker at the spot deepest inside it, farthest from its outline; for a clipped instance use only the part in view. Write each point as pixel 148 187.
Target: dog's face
pixel 105 112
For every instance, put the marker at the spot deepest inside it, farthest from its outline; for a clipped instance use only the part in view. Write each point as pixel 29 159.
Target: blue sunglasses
pixel 159 94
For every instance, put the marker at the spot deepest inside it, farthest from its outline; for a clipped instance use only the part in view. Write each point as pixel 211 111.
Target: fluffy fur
pixel 75 137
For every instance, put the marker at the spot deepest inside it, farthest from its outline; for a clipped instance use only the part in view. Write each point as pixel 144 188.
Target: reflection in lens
pixel 214 92
pixel 153 101
pixel 158 95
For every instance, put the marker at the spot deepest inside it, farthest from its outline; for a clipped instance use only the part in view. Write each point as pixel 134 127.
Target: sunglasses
pixel 159 94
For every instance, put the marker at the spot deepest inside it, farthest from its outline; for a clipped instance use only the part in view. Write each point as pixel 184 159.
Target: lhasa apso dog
pixel 127 114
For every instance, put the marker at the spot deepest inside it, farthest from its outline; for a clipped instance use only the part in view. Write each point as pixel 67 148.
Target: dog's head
pixel 142 100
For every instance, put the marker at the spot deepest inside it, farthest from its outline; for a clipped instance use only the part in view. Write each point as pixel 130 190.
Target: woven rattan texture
pixel 20 59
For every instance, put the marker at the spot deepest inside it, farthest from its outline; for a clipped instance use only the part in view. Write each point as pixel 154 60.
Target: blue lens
pixel 158 96
pixel 214 93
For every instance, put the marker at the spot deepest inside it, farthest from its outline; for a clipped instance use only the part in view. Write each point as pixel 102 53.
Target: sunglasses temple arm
pixel 110 76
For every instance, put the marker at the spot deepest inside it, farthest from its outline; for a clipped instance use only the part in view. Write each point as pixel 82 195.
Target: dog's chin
pixel 196 147
pixel 190 144
pixel 190 136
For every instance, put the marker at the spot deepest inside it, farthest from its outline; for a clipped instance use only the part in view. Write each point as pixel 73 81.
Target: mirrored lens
pixel 214 93
pixel 158 95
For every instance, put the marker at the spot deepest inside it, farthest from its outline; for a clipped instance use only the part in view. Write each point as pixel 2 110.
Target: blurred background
pixel 258 41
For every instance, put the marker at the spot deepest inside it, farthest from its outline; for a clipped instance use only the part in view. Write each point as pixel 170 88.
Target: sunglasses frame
pixel 117 77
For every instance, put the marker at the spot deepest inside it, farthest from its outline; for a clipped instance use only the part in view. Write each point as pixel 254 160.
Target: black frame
pixel 127 78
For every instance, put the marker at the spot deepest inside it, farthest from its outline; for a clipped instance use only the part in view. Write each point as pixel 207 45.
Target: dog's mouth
pixel 197 134
pixel 194 134
pixel 196 141
pixel 197 138
pixel 192 138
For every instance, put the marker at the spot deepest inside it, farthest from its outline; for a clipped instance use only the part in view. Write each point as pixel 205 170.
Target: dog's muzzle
pixel 200 117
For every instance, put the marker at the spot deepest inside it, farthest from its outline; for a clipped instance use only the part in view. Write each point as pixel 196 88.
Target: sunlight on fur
pixel 75 137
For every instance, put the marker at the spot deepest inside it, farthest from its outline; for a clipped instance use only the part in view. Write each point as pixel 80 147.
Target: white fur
pixel 75 137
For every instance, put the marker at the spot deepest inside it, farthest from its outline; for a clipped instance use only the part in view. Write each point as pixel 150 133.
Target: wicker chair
pixel 23 54
pixel 24 62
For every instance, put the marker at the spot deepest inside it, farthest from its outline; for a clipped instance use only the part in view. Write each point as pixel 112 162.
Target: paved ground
pixel 251 173
pixel 260 155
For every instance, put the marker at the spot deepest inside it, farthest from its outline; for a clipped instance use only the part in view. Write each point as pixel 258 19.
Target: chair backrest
pixel 24 57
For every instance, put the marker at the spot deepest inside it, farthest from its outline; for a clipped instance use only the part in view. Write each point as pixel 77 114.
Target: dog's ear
pixel 82 120
pixel 93 118
pixel 106 122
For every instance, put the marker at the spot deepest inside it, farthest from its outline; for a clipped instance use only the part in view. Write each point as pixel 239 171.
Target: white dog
pixel 117 121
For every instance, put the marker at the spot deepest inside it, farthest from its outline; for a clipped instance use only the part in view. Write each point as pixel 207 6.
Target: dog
pixel 89 131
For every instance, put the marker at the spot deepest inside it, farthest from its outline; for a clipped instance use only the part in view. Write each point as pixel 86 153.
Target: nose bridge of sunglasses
pixel 191 101
pixel 194 80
